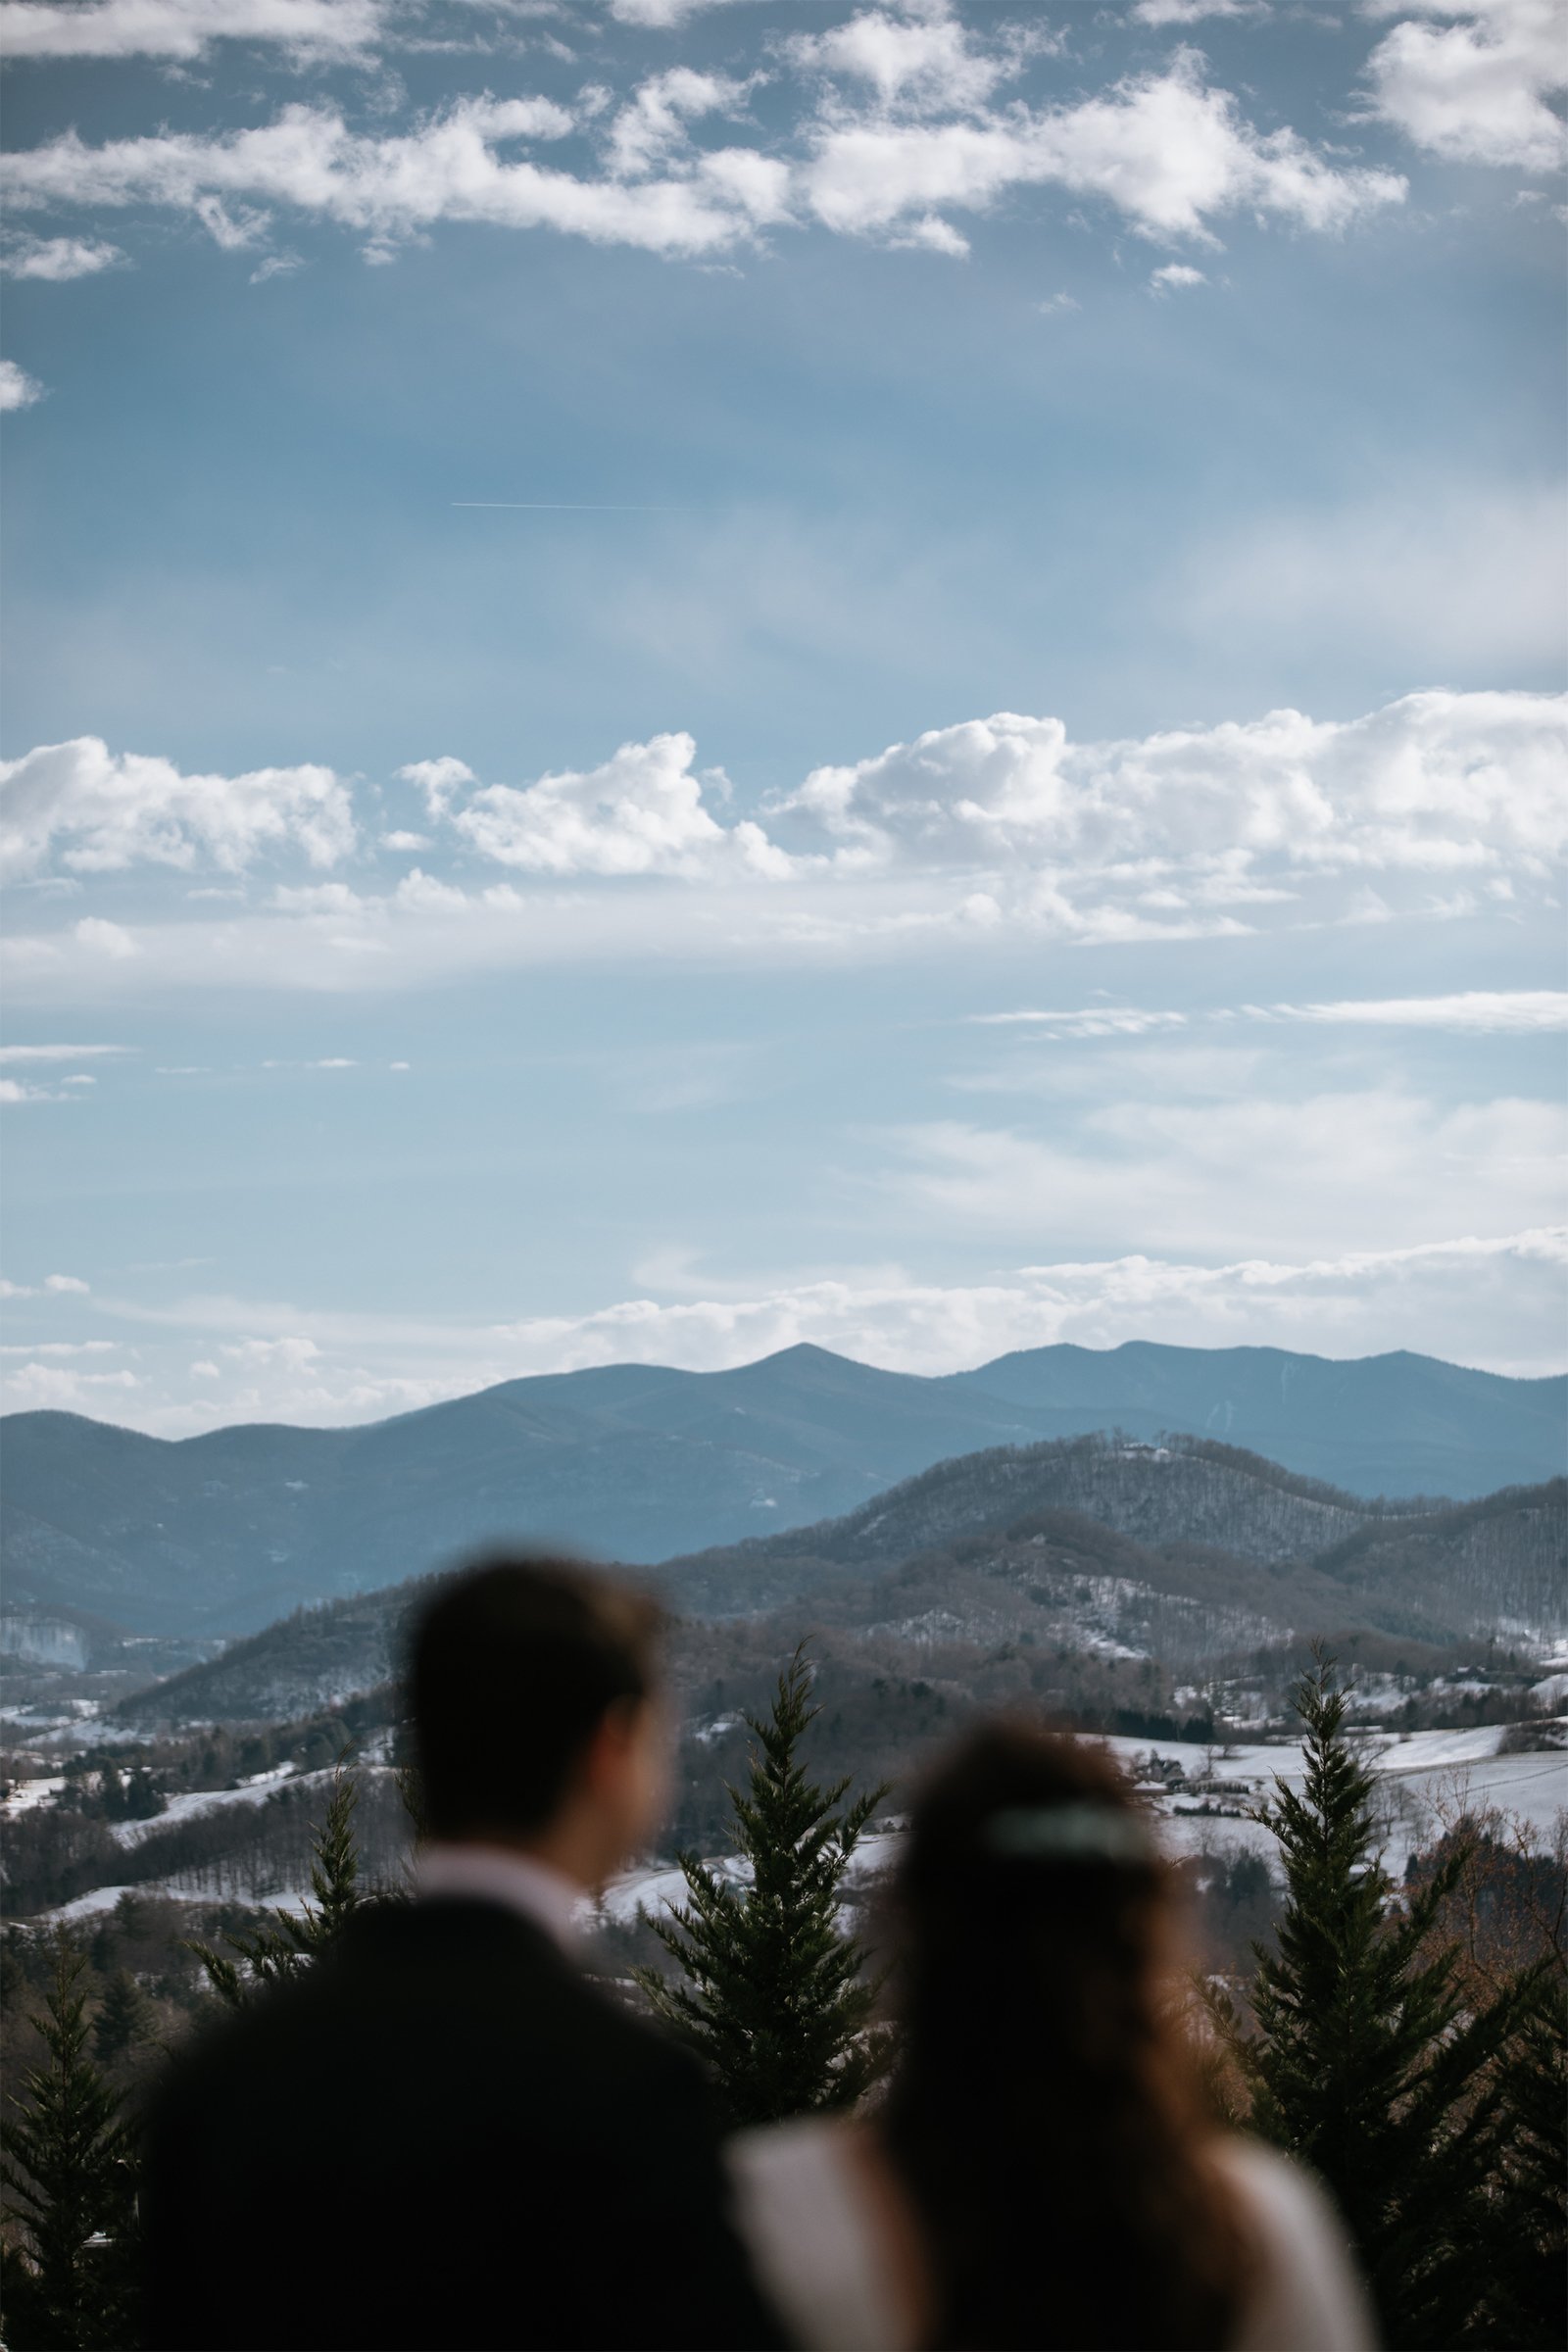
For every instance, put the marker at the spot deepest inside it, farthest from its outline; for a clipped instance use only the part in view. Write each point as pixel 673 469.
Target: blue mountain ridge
pixel 222 1533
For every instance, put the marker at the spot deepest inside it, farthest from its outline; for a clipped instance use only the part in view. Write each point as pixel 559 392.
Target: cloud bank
pixel 1440 803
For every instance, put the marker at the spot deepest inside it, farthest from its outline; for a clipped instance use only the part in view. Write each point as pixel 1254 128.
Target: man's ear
pixel 610 1742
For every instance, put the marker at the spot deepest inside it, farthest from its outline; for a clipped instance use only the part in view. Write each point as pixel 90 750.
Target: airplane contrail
pixel 536 506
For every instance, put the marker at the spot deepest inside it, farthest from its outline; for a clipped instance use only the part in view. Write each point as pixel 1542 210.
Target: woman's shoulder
pixel 1307 2296
pixel 802 2206
pixel 807 2148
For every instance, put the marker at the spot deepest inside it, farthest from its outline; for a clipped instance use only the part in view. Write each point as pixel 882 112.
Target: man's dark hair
pixel 515 1665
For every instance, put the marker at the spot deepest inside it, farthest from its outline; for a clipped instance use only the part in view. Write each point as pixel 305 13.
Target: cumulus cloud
pixel 1438 804
pixel 451 167
pixel 1171 153
pixel 438 780
pixel 1435 783
pixel 908 125
pixel 184 29
pixel 928 63
pixel 100 811
pixel 642 812
pixel 69 1283
pixel 17 389
pixel 57 259
pixel 651 128
pixel 1470 81
pixel 1174 275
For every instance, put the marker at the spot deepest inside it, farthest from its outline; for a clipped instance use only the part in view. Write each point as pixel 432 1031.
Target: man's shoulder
pixel 441 1982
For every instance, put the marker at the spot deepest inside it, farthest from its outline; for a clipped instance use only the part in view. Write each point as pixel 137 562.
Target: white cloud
pixel 184 29
pixel 57 259
pixel 1469 80
pixel 1521 1012
pixel 1175 274
pixel 1440 804
pixel 1442 576
pixel 1166 149
pixel 925 63
pixel 101 811
pixel 65 1348
pixel 11 1053
pixel 662 16
pixel 17 389
pixel 1090 1020
pixel 1328 1173
pixel 293 1352
pixel 102 938
pixel 70 1283
pixel 60 1388
pixel 642 812
pixel 1163 14
pixel 405 841
pixel 651 128
pixel 451 167
pixel 438 780
pixel 1436 783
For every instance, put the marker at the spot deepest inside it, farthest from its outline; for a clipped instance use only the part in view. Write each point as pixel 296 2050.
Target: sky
pixel 690 675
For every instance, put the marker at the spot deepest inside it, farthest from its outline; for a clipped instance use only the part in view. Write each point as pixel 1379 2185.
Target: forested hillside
pixel 1082 1547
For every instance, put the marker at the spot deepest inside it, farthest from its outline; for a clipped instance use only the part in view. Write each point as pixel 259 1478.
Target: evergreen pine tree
pixel 279 1952
pixel 1525 2238
pixel 773 1996
pixel 1367 2063
pixel 68 2267
pixel 123 2018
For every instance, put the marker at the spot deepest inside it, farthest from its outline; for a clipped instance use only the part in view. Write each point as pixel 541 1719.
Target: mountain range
pixel 220 1534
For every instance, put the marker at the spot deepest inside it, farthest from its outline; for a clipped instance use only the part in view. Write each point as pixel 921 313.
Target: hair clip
pixel 1076 1833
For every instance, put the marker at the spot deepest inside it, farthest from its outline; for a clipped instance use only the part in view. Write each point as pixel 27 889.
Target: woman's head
pixel 1046 2113
pixel 1031 1867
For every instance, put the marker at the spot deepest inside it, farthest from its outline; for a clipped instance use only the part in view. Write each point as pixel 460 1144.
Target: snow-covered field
pixel 1425 1779
pixel 1202 1795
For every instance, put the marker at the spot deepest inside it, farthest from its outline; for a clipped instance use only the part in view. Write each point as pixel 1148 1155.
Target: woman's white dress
pixel 805 2209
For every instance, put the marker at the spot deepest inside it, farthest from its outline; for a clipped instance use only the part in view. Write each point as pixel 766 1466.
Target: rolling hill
pixel 1183 1555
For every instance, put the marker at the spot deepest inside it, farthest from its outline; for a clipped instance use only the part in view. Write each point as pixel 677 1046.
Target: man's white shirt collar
pixel 489 1874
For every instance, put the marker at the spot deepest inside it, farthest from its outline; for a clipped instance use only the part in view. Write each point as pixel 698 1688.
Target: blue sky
pixel 683 676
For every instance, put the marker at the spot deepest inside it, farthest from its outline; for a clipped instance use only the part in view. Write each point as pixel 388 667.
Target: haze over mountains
pixel 221 1533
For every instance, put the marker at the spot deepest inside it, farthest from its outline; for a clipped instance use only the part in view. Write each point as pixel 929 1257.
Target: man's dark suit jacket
pixel 442 2137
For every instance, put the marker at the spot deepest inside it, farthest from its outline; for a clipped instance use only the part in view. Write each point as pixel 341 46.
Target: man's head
pixel 534 1685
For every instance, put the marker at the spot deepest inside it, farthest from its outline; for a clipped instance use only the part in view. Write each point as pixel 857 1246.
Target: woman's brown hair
pixel 1046 2116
